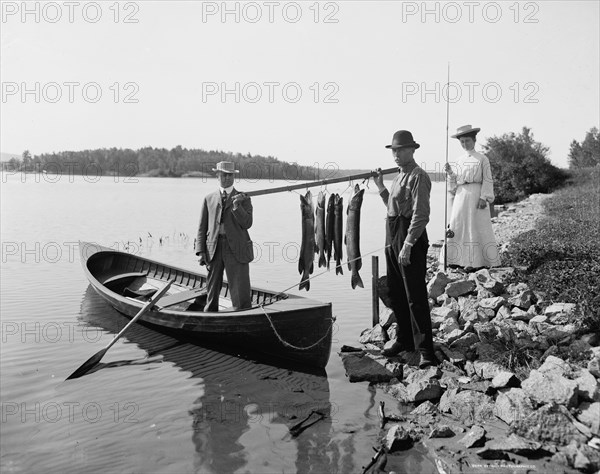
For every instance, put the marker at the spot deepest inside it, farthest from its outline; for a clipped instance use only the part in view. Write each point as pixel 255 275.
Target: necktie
pixel 223 200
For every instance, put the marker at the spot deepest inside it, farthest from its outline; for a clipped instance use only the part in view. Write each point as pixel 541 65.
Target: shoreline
pixel 472 413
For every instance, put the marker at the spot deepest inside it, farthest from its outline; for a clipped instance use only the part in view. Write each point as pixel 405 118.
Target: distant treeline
pixel 177 162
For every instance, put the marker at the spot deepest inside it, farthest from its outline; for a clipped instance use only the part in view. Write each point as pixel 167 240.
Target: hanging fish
pixel 329 221
pixel 320 229
pixel 338 211
pixel 352 238
pixel 307 248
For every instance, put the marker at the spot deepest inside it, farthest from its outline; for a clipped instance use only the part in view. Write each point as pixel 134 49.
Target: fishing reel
pixel 449 232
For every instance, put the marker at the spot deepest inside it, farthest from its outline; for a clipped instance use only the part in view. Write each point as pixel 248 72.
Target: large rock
pixel 469 314
pixel 561 334
pixel 485 331
pixel 469 406
pixel 517 314
pixel 397 390
pixel 454 335
pixel 503 313
pixel 523 300
pixel 502 274
pixel 424 389
pixel 582 457
pixel 486 283
pixel 594 366
pixel 589 415
pixel 516 288
pixel 540 318
pixel 454 356
pixel 494 287
pixel 447 326
pixel 362 367
pixel 561 313
pixel 373 335
pixel 587 387
pixel 425 408
pixel 442 431
pixel 551 423
pixel 386 317
pixel 459 288
pixel 392 333
pixel 465 341
pixel 505 380
pixel 492 303
pixel 550 387
pixel 513 404
pixel 437 285
pixel 440 314
pixel 475 438
pixel 485 369
pixel 554 365
pixel 425 374
pixel 397 438
pixel 497 448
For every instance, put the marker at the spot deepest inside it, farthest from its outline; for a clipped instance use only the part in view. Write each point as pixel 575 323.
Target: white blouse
pixel 473 167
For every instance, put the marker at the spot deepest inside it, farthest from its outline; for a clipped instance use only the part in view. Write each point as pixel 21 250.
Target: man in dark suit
pixel 223 242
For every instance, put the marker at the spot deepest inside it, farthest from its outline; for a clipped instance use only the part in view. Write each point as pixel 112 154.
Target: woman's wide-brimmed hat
pixel 403 139
pixel 465 130
pixel 225 167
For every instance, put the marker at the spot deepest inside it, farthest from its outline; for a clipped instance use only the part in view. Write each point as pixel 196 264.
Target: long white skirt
pixel 473 244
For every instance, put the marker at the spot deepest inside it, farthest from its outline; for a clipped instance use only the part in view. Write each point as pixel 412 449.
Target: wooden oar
pixel 322 182
pixel 93 361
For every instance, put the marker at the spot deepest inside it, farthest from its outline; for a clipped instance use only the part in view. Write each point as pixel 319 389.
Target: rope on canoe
pixel 287 344
pixel 337 266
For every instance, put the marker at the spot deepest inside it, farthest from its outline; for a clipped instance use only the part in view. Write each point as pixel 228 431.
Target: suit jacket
pixel 235 221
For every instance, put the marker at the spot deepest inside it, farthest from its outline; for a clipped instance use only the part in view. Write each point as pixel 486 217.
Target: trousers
pixel 407 287
pixel 238 277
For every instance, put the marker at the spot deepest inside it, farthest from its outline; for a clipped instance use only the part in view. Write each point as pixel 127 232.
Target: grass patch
pixel 562 255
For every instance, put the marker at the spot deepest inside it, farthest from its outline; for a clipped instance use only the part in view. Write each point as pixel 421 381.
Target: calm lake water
pixel 159 405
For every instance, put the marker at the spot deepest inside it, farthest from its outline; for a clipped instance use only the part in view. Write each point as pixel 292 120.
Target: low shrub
pixel 562 255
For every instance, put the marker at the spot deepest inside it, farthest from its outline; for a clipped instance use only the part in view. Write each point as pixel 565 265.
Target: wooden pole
pixel 322 182
pixel 375 289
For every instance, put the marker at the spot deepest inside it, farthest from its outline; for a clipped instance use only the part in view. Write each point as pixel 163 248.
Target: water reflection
pixel 246 407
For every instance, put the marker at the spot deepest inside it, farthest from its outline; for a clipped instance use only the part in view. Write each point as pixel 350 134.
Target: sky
pixel 317 83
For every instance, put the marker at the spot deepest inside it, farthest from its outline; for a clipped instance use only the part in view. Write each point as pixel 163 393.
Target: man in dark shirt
pixel 407 204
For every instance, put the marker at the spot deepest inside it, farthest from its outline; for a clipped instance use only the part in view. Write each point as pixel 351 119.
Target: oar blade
pixel 88 365
pixel 92 361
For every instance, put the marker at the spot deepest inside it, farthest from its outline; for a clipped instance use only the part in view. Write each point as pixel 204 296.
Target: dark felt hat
pixel 403 139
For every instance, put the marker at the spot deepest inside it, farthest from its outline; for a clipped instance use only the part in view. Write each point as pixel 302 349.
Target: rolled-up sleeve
pixel 420 190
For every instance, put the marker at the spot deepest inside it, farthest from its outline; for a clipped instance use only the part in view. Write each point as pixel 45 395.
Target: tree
pixel 587 153
pixel 26 160
pixel 520 166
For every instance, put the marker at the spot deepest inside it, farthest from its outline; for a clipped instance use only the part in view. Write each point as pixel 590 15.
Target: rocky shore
pixel 517 389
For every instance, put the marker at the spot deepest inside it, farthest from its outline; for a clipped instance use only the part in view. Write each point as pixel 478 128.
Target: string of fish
pixel 327 234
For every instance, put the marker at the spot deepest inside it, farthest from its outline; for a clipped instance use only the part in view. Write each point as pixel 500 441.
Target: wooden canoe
pixel 280 325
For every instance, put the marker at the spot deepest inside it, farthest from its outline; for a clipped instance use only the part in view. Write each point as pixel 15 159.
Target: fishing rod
pixel 322 182
pixel 446 225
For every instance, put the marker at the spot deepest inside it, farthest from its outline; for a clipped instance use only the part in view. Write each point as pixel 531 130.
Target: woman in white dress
pixel 470 182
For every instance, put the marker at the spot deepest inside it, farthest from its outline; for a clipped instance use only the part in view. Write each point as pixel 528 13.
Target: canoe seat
pixel 144 294
pixel 124 276
pixel 180 297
